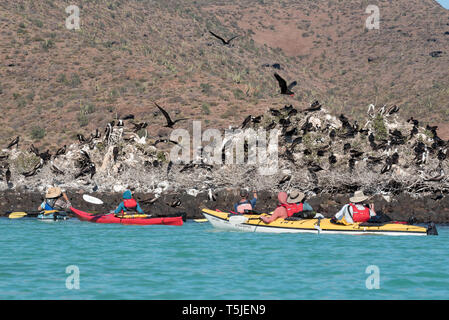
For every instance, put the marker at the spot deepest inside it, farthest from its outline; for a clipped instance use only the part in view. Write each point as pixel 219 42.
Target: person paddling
pixel 280 211
pixel 55 199
pixel 356 210
pixel 244 204
pixel 128 204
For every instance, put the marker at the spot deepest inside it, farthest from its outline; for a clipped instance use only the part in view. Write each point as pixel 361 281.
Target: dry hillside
pixel 56 82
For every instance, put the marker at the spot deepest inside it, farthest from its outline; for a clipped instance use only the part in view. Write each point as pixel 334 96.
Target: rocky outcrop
pixel 323 155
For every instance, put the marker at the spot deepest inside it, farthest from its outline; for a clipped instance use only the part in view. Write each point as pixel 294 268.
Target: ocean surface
pixel 81 260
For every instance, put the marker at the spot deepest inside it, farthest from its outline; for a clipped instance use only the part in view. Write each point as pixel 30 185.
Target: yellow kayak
pixel 252 223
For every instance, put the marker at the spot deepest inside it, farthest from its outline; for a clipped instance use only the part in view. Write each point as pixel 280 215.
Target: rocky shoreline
pixel 399 207
pixel 401 163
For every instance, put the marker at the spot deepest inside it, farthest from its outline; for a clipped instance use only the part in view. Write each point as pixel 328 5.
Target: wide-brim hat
pixel 359 196
pixel 295 196
pixel 53 192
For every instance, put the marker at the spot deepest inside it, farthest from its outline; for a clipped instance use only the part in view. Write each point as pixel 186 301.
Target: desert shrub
pixel 48 44
pixel 75 80
pixel 161 156
pixel 142 133
pixel 379 127
pixel 38 23
pixel 206 88
pixel 83 120
pixel 61 78
pixel 238 94
pixel 87 109
pixel 21 102
pixel 206 108
pixel 37 133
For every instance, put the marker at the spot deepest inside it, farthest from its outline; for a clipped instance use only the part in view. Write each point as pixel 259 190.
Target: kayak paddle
pixel 91 199
pixel 18 215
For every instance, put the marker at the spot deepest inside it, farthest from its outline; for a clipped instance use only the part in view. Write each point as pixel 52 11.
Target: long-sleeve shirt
pixel 347 212
pixel 121 207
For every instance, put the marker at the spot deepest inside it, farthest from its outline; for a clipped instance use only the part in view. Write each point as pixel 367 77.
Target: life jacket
pixel 130 204
pixel 246 205
pixel 292 208
pixel 48 207
pixel 360 215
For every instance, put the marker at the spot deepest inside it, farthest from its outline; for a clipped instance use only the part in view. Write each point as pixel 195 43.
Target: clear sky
pixel 444 3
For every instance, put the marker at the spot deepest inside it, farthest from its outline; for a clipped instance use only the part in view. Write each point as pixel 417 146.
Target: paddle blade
pixel 200 220
pixel 91 199
pixel 238 219
pixel 17 215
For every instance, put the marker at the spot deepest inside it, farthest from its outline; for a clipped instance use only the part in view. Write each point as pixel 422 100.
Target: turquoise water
pixel 196 261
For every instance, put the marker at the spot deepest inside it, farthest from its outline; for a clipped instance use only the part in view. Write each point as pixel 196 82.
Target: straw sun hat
pixel 53 192
pixel 295 196
pixel 359 196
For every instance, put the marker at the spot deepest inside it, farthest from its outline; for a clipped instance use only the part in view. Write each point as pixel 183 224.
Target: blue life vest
pixel 47 207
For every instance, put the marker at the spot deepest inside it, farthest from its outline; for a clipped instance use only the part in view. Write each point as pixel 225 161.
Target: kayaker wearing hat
pixel 356 210
pixel 55 199
pixel 280 211
pixel 128 204
pixel 244 204
pixel 296 204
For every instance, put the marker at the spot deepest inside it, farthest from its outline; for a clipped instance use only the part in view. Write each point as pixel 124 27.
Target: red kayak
pixel 111 218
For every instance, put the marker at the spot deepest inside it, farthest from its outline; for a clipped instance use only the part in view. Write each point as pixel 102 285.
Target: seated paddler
pixel 296 205
pixel 128 205
pixel 245 205
pixel 356 210
pixel 55 199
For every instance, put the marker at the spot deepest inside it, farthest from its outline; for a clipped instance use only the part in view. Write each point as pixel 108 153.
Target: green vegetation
pixel 82 117
pixel 48 44
pixel 380 129
pixel 37 133
pixel 206 108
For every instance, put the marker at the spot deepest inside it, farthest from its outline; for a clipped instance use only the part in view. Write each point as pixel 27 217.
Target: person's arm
pixel 139 209
pixel 68 204
pixel 280 212
pixel 41 207
pixel 253 202
pixel 120 208
pixel 340 214
pixel 255 194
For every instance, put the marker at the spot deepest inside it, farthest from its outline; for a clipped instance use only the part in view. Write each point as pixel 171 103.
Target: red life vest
pixel 360 215
pixel 130 203
pixel 293 208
